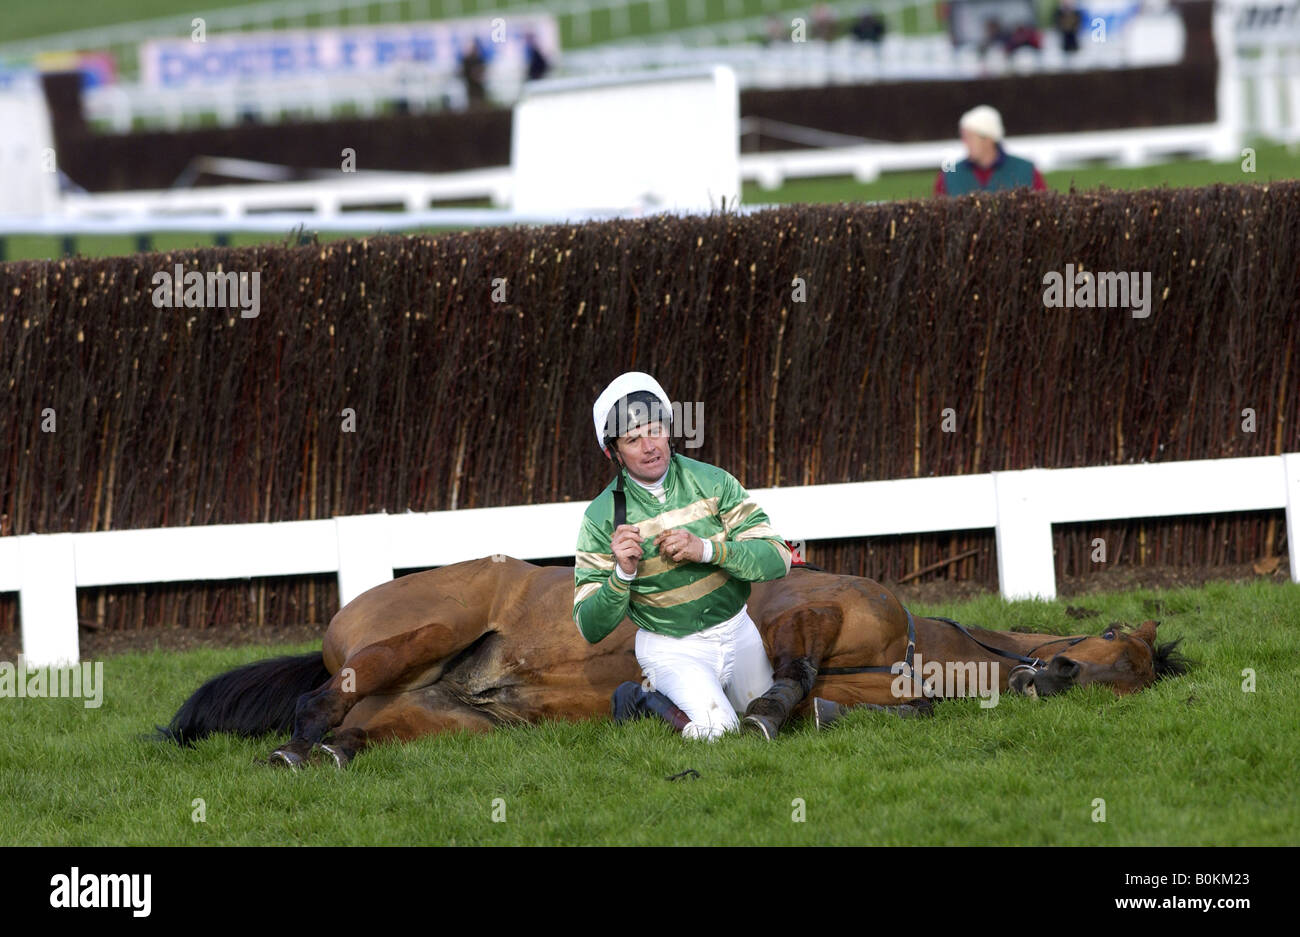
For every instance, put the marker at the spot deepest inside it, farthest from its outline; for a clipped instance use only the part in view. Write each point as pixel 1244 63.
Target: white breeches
pixel 710 675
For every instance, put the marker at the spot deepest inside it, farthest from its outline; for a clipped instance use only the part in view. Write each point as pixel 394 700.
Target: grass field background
pixel 1194 760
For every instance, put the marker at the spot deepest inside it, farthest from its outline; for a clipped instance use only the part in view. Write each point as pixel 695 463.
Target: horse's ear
pixel 1147 631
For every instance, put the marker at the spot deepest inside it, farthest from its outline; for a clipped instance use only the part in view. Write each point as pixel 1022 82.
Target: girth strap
pixel 911 650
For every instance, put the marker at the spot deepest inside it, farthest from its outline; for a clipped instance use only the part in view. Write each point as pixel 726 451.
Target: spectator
pixel 869 27
pixel 1068 21
pixel 1022 36
pixel 473 69
pixel 776 31
pixel 994 35
pixel 538 66
pixel 987 167
pixel 1008 39
pixel 823 25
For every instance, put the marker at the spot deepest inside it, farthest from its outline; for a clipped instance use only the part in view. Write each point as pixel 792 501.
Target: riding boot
pixel 631 701
pixel 769 712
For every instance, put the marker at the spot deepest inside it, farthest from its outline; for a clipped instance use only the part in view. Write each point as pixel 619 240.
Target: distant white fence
pixel 337 204
pixel 1266 68
pixel 1137 147
pixel 125 107
pixel 413 192
pixel 47 569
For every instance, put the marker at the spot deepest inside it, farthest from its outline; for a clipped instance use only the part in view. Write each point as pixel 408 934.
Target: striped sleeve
pixel 752 551
pixel 600 599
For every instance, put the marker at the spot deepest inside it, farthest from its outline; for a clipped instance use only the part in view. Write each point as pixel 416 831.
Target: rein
pixel 1027 663
pixel 1033 662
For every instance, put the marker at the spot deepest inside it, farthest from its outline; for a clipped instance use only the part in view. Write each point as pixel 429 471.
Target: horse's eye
pixel 1109 634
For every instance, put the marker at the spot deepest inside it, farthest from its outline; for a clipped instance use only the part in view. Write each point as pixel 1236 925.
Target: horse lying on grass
pixel 492 641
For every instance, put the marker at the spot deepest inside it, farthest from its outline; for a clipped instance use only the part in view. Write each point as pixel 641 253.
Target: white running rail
pixel 47 569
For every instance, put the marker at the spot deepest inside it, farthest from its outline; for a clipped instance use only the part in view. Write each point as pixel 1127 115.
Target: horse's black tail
pixel 251 700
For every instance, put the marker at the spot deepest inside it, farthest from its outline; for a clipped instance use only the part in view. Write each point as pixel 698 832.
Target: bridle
pixel 1036 664
pixel 1031 663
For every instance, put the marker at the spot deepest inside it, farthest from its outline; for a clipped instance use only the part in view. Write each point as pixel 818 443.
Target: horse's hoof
pixel 281 758
pixel 759 725
pixel 826 711
pixel 330 754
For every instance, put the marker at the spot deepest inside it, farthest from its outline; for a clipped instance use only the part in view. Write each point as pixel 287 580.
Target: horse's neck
pixel 942 642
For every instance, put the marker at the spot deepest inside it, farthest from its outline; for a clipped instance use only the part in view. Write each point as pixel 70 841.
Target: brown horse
pixel 492 641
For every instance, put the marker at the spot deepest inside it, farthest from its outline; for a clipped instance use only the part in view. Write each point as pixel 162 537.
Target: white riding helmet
pixel 627 383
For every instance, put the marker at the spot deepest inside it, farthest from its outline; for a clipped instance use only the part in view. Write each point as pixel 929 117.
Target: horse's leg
pixel 402 717
pixel 833 696
pixel 798 641
pixel 826 711
pixel 403 662
pixel 313 716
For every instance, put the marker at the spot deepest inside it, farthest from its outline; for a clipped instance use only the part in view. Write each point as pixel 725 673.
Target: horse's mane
pixel 1168 661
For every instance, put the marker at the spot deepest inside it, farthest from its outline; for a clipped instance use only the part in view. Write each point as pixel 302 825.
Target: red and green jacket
pixel 675 598
pixel 1007 172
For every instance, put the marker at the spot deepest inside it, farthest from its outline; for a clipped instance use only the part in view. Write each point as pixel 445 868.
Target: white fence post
pixel 1291 466
pixel 47 599
pixel 1026 568
pixel 365 554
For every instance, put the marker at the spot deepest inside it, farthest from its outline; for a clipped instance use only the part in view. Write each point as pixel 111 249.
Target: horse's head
pixel 1125 661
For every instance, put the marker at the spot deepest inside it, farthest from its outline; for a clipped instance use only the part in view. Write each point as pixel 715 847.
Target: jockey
pixel 679 565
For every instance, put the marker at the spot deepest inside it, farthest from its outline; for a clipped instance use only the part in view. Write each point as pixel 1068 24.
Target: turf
pixel 1194 760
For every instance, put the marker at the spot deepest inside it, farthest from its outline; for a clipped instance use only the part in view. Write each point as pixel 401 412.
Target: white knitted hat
pixel 983 120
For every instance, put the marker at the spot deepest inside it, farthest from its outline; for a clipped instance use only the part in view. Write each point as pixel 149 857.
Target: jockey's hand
pixel 626 544
pixel 680 546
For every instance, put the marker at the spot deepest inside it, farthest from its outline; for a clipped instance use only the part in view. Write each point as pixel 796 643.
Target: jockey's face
pixel 645 452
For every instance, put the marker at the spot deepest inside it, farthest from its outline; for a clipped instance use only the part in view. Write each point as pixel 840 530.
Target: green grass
pixel 1194 760
pixel 26 19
